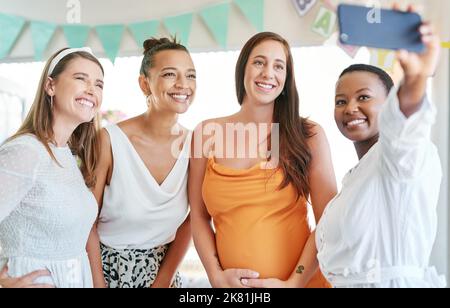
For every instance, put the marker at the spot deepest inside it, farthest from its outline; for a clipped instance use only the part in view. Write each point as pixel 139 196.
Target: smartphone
pixel 380 28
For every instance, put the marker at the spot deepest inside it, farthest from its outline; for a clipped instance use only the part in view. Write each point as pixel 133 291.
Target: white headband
pixel 63 54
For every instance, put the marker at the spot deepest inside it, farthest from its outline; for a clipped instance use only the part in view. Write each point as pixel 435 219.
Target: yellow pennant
pixel 445 44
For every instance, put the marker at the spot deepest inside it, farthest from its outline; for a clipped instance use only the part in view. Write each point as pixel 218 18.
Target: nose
pixel 352 107
pixel 182 82
pixel 267 72
pixel 90 89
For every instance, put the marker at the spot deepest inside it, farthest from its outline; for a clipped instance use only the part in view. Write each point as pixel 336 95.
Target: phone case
pixel 379 28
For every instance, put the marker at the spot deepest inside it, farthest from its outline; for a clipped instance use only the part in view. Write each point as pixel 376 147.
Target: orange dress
pixel 258 226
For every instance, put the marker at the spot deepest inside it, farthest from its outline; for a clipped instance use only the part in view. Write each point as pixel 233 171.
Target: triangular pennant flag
pixel 41 32
pixel 76 35
pixel 325 22
pixel 254 11
pixel 10 28
pixel 180 26
pixel 111 37
pixel 143 30
pixel 382 58
pixel 216 18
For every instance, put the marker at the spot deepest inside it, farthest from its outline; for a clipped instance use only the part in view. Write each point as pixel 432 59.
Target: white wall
pixel 441 96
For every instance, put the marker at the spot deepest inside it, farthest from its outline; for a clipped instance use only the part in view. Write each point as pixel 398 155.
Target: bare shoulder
pixel 130 125
pixel 318 141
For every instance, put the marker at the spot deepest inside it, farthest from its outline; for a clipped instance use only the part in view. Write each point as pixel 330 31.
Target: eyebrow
pixel 360 90
pixel 175 69
pixel 276 60
pixel 86 75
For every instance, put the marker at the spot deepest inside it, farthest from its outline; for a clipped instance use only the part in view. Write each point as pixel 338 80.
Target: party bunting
pixel 216 19
pixel 254 11
pixel 111 37
pixel 42 33
pixel 180 26
pixel 76 35
pixel 382 58
pixel 325 22
pixel 141 31
pixel 10 28
pixel 303 6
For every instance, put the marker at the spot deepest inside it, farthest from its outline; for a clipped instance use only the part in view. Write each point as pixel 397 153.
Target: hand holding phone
pixel 380 28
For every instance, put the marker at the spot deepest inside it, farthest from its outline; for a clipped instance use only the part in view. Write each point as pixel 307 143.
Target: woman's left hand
pixel 421 65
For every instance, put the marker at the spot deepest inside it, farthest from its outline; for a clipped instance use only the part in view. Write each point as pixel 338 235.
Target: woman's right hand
pixel 26 281
pixel 231 278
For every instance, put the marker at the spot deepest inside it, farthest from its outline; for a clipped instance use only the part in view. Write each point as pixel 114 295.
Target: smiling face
pixel 171 84
pixel 77 92
pixel 265 72
pixel 359 98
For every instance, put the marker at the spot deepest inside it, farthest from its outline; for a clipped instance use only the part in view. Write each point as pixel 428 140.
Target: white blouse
pixel 380 229
pixel 137 212
pixel 46 213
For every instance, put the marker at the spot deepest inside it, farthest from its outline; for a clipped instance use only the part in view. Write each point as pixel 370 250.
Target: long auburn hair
pixel 295 155
pixel 39 121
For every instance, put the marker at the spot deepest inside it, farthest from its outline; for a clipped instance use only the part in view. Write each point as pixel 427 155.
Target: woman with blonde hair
pixel 46 207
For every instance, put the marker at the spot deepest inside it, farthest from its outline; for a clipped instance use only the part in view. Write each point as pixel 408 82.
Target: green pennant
pixel 216 18
pixel 10 29
pixel 143 30
pixel 76 35
pixel 41 32
pixel 254 11
pixel 180 26
pixel 111 37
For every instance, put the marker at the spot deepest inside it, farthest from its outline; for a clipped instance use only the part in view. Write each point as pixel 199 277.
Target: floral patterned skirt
pixel 134 268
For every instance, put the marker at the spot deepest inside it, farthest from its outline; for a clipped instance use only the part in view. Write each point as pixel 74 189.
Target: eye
pixel 80 78
pixel 169 75
pixel 340 102
pixel 279 67
pixel 192 77
pixel 364 98
pixel 258 63
pixel 100 86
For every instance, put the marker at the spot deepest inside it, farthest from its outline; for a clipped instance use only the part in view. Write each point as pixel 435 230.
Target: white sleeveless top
pixel 137 212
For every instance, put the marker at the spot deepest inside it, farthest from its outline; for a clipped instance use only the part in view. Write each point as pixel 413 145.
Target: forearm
pixel 411 94
pixel 205 243
pixel 95 258
pixel 307 265
pixel 174 256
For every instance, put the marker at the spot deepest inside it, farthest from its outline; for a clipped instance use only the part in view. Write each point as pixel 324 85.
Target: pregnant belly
pixel 272 253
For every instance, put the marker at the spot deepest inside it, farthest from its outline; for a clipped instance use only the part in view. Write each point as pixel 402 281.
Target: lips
pixel 86 102
pixel 180 97
pixel 265 86
pixel 354 123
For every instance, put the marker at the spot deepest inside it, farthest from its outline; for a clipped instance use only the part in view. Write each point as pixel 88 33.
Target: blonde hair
pixel 39 121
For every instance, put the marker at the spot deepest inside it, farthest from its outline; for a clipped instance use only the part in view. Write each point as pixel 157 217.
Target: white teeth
pixel 356 122
pixel 265 86
pixel 86 103
pixel 180 97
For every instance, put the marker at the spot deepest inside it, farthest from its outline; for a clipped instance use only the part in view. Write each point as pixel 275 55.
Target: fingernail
pixel 244 281
pixel 255 274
